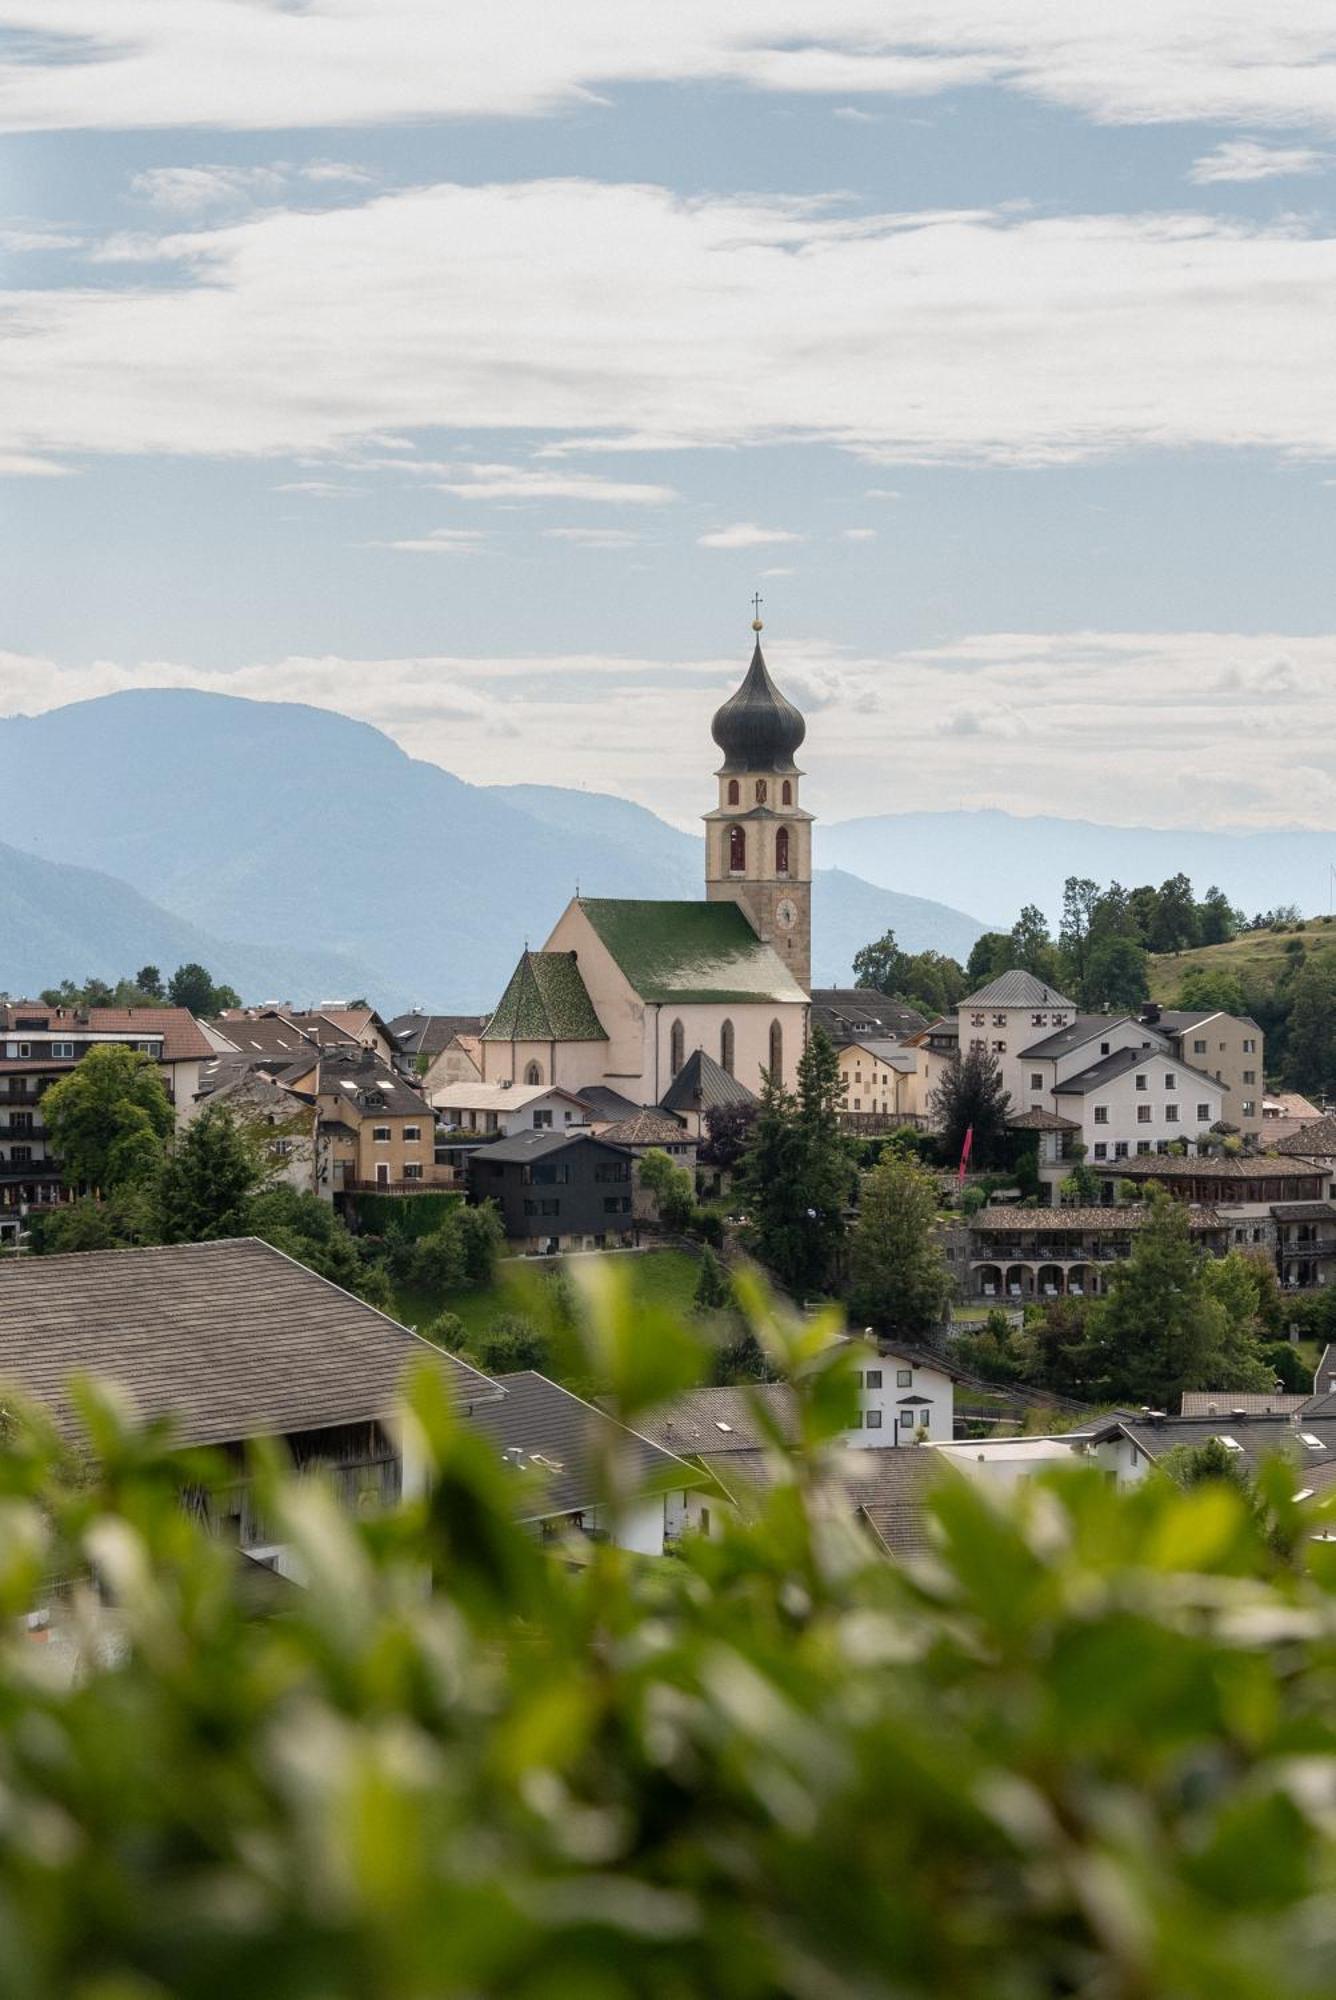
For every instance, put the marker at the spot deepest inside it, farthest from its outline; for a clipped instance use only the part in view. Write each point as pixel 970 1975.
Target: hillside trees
pixel 898 1278
pixel 797 1173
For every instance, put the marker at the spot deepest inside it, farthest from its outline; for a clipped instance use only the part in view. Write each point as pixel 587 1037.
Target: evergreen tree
pixel 1311 1062
pixel 109 1119
pixel 796 1175
pixel 149 981
pixel 1117 975
pixel 971 1095
pixel 898 1281
pixel 209 1180
pixel 713 1292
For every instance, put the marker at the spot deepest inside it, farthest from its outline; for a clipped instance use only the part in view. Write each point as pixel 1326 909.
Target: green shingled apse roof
pixel 546 1001
pixel 690 951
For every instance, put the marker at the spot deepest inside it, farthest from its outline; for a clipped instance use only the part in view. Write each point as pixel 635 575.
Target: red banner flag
pixel 965 1152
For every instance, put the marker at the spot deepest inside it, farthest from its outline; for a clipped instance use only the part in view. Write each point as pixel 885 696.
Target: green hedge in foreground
pixel 1087 1748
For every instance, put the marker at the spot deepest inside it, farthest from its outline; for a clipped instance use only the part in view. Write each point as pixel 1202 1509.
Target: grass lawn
pixel 1261 953
pixel 664 1278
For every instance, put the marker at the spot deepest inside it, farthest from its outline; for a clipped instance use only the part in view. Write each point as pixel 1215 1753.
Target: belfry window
pixel 786 793
pixel 737 850
pixel 726 1047
pixel 734 791
pixel 782 851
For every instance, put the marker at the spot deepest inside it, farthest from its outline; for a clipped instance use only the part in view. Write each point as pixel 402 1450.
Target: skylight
pixel 1230 1444
pixel 1313 1443
pixel 720 1425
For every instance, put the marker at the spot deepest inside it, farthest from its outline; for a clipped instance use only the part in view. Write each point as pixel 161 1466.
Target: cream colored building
pixel 880 1078
pixel 624 992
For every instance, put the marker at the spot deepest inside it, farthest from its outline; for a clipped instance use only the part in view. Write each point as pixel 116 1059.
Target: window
pixel 533 1073
pixel 1120 1149
pixel 542 1121
pixel 858 1104
pixel 548 1206
pixel 904 1378
pixel 976 1020
pixel 1199 1048
pixel 412 1172
pixel 1101 1149
pixel 786 792
pixel 873 1420
pixel 676 1047
pixel 726 1047
pixel 1203 1114
pixel 1141 1083
pixel 1250 1047
pixel 381 1134
pixel 1170 1080
pixel 776 1051
pixel 1039 1020
pixel 612 1170
pixel 762 791
pixel 737 850
pixel 873 1378
pixel 1036 1080
pixel 1143 1145
pixel 734 791
pixel 616 1204
pixel 1101 1114
pixel 1249 1107
pixel 782 851
pixel 19 1156
pixel 1104 1048
pixel 1171 1114
pixel 63 1051
pixel 1162 1145
pixel 999 1048
pixel 1143 1114
pixel 412 1133
pixel 1250 1076
pixel 906 1420
pixel 999 1020
pixel 19 1049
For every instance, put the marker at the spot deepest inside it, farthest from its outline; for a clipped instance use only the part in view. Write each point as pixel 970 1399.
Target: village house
pixel 41 1044
pixel 375 1132
pixel 1014 1256
pixel 557 1190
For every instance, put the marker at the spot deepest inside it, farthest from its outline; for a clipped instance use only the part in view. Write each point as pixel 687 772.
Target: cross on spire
pixel 757 601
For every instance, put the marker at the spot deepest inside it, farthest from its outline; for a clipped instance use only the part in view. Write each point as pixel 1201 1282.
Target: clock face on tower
pixel 786 916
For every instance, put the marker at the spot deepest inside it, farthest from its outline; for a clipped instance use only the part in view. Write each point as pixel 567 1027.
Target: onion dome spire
pixel 757 729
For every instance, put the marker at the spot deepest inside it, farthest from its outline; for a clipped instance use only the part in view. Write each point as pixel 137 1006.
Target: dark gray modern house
pixel 557 1190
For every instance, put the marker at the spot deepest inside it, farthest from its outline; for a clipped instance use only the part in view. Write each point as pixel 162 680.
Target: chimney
pixel 1150 1013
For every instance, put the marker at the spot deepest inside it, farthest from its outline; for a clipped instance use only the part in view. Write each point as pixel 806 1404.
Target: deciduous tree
pixel 898 1278
pixel 109 1118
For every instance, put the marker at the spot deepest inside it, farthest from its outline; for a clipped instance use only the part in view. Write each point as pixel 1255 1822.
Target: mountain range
pixel 996 861
pixel 301 855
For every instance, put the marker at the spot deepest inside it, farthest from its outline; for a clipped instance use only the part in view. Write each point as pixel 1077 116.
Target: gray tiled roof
pixel 1017 989
pixel 1253 1402
pixel 722 1420
pixel 523 1146
pixel 1115 1065
pixel 1086 1028
pixel 849 1012
pixel 557 1438
pixel 701 1084
pixel 234 1339
pixel 428 1034
pixel 1258 1437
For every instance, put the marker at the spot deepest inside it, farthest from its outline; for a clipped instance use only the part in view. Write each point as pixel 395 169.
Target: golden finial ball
pixel 757 624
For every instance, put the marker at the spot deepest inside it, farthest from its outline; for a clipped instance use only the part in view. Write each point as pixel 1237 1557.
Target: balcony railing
pixel 440 1183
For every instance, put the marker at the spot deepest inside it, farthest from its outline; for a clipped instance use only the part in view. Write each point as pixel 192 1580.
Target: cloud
pixel 513 482
pixel 191 190
pixel 320 489
pixel 1086 724
pixel 858 534
pixel 215 63
pixel 579 310
pixel 19 241
pixel 853 115
pixel 1247 160
pixel 441 542
pixel 745 535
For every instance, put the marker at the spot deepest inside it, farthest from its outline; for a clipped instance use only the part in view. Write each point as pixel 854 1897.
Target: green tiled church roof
pixel 546 1001
pixel 690 951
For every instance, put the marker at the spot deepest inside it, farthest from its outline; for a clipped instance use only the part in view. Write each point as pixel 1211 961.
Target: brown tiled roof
pixel 233 1339
pixel 648 1128
pixel 183 1039
pixel 1037 1119
pixel 1224 1166
pixel 1127 1215
pixel 1316 1139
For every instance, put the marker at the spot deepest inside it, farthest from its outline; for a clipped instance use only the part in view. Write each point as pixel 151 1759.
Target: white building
pixel 504 1108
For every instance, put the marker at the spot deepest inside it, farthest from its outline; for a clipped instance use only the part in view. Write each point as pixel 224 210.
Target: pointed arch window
pixel 737 850
pixel 776 1052
pixel 734 791
pixel 726 1047
pixel 677 1047
pixel 786 792
pixel 533 1072
pixel 782 851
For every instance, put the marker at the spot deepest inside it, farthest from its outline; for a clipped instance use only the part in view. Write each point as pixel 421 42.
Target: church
pixel 626 992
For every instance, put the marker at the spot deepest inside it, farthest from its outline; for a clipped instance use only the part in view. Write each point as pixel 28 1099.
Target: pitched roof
pixel 1316 1139
pixel 647 1127
pixel 1017 989
pixel 361 1080
pixel 605 1102
pixel 701 1084
pixel 1118 1217
pixel 546 1001
pixel 1253 1402
pixel 1324 1375
pixel 522 1146
pixel 1209 1166
pixel 894 1054
pixel 427 1034
pixel 234 1339
pixel 268 1033
pixel 1179 1020
pixel 1085 1028
pixel 480 1096
pixel 183 1040
pixel 1304 1211
pixel 715 1421
pixel 557 1439
pixel 1038 1119
pixel 847 1012
pixel 703 952
pixel 1257 1436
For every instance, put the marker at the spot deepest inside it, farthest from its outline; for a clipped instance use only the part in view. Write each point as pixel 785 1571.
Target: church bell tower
pixel 758 840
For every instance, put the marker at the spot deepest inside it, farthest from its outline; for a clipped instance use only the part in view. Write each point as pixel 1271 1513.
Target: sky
pixel 467 369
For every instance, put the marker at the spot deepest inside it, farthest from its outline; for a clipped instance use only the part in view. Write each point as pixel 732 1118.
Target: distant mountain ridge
pixel 342 862
pixel 997 861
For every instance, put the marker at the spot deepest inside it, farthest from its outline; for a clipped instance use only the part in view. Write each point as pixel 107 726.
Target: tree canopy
pixel 109 1118
pixel 796 1176
pixel 898 1278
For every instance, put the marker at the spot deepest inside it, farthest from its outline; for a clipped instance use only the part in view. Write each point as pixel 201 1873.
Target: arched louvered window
pixel 762 791
pixel 786 793
pixel 677 1047
pixel 533 1073
pixel 737 850
pixel 776 1052
pixel 734 791
pixel 726 1047
pixel 782 851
